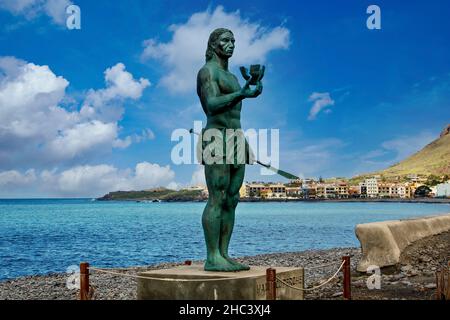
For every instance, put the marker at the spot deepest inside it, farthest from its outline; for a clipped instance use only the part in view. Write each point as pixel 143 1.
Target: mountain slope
pixel 433 159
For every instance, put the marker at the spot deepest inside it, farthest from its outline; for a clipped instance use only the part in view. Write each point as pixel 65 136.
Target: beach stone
pixel 337 294
pixel 430 286
pixel 406 268
pixel 397 277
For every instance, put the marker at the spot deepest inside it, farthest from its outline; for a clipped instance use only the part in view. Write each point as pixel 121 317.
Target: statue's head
pixel 221 42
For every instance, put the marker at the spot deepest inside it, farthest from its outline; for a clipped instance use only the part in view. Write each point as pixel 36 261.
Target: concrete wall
pixel 443 190
pixel 383 242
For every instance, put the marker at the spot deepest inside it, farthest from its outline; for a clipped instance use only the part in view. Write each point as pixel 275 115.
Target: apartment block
pixel 342 190
pixel 372 187
pixel 385 190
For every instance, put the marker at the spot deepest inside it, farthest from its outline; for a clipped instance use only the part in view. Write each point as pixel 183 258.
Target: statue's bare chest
pixel 227 82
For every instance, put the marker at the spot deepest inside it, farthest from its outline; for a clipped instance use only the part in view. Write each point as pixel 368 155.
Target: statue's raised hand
pixel 248 92
pixel 253 78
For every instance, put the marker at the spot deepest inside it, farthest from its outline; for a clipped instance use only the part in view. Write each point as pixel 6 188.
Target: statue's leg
pixel 217 180
pixel 228 217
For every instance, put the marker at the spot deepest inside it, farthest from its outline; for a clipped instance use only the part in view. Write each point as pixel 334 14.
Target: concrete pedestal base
pixel 193 283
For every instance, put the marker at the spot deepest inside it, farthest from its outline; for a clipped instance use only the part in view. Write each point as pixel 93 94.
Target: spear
pixel 282 173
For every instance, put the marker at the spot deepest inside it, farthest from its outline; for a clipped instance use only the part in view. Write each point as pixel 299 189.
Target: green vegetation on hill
pixel 155 194
pixel 432 160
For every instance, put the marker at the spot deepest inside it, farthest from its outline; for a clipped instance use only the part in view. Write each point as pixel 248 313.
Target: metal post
pixel 447 295
pixel 438 285
pixel 347 278
pixel 271 284
pixel 84 281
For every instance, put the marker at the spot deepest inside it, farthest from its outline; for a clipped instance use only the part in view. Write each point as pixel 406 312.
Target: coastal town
pixel 375 187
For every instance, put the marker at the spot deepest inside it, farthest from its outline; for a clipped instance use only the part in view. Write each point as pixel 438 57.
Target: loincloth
pixel 242 154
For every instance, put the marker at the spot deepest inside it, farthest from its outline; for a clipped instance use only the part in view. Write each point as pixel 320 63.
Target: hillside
pixel 433 159
pixel 155 194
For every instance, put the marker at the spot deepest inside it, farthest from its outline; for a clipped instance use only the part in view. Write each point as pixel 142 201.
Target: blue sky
pixel 84 112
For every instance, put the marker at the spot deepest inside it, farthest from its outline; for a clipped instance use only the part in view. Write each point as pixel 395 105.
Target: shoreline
pixel 418 200
pixel 413 278
pixel 356 200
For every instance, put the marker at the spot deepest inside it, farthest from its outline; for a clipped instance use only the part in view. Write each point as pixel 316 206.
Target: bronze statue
pixel 221 98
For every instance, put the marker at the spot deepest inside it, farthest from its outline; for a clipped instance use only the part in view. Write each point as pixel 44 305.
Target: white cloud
pixel 30 9
pixel 405 146
pixel 185 53
pixel 321 101
pixel 84 137
pixel 33 125
pixel 315 159
pixel 14 178
pixel 87 181
pixel 185 116
pixel 147 134
pixel 198 177
pixel 98 180
pixel 174 186
pixel 25 7
pixel 393 151
pixel 120 84
pixel 374 154
pixel 56 9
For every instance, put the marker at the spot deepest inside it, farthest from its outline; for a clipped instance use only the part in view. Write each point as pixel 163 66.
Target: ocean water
pixel 45 236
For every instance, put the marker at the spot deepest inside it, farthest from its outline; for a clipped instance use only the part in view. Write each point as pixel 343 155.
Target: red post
pixel 447 294
pixel 84 281
pixel 271 284
pixel 347 278
pixel 438 286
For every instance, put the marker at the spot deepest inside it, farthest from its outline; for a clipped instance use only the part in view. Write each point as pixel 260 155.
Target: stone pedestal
pixel 193 283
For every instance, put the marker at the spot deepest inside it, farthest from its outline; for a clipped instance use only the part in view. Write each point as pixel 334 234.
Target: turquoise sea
pixel 44 236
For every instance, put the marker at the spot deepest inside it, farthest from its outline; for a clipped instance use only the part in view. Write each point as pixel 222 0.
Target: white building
pixel 278 190
pixel 372 187
pixel 253 190
pixel 403 191
pixel 294 192
pixel 443 190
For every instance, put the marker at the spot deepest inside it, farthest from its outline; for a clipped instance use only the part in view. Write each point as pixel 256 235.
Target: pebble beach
pixel 412 278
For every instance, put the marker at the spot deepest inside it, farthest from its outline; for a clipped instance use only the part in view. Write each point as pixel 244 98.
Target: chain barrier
pixel 100 270
pixel 118 273
pixel 316 287
pixel 321 266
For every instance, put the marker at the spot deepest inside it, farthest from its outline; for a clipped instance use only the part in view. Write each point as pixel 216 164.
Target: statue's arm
pixel 210 96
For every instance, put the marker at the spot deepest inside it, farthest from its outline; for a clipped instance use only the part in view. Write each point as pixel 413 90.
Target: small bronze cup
pixel 256 73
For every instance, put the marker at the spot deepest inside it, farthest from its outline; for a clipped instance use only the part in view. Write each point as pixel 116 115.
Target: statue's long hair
pixel 212 39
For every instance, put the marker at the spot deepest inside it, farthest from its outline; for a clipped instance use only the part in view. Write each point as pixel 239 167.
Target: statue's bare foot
pixel 219 263
pixel 240 266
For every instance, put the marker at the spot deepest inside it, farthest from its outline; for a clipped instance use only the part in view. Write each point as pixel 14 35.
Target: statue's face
pixel 225 45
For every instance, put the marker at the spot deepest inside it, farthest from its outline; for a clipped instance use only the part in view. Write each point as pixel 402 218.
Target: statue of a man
pixel 221 98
